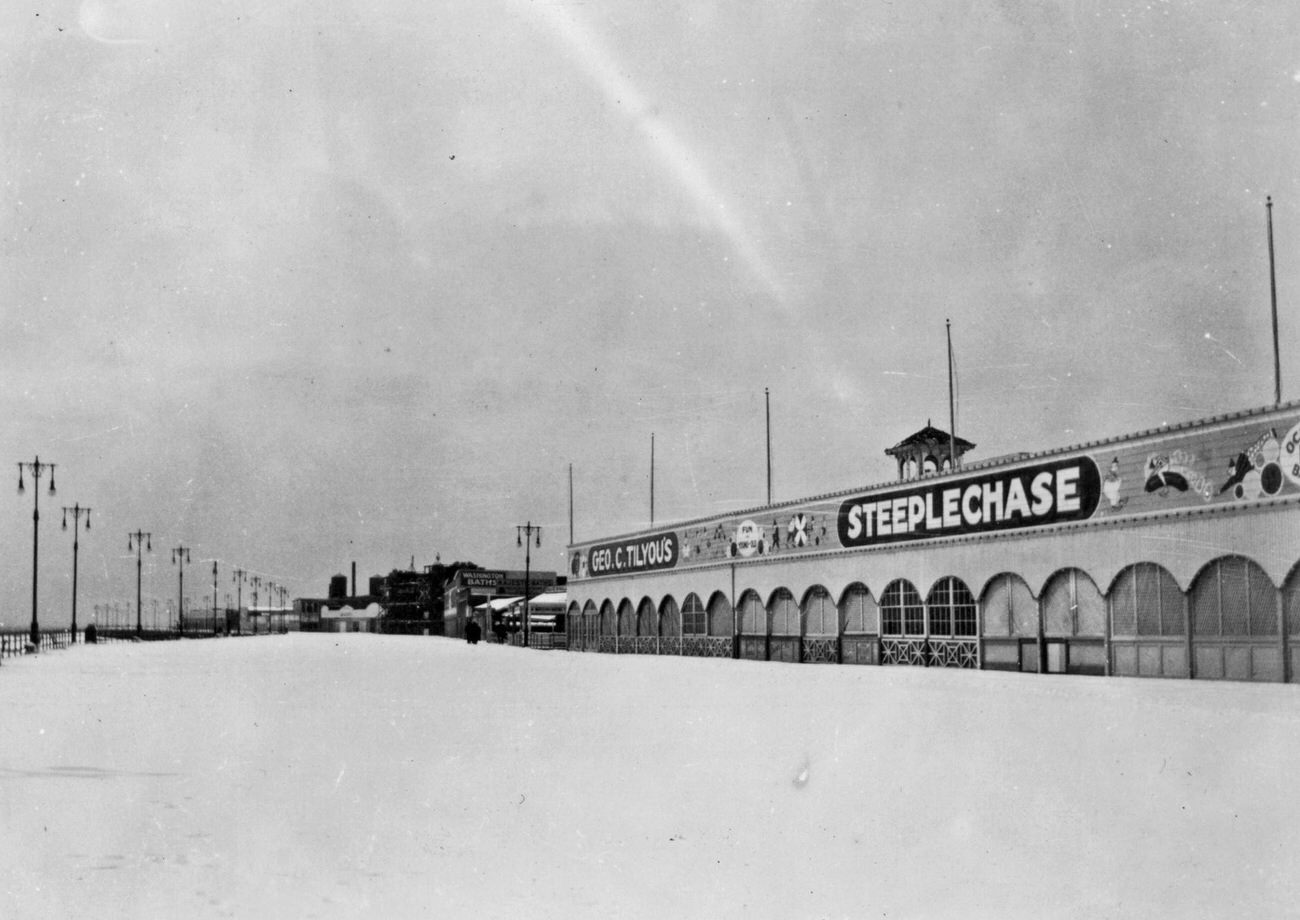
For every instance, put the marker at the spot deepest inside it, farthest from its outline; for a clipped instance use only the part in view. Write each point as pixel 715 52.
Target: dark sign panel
pixel 636 554
pixel 1032 496
pixel 482 579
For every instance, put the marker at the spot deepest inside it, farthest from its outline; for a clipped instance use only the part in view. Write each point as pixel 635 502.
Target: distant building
pixel 469 588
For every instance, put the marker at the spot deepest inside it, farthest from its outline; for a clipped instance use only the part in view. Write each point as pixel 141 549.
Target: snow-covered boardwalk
pixel 370 776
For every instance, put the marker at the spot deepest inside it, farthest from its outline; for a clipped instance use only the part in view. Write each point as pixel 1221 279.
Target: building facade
pixel 1171 552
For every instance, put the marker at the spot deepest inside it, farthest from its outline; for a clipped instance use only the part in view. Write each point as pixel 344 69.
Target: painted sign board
pixel 1248 459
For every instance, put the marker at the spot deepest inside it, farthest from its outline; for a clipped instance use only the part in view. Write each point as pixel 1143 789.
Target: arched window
pixel 1072 606
pixel 859 610
pixel 1009 608
pixel 626 618
pixel 784 614
pixel 1146 601
pixel 753 616
pixel 721 618
pixel 608 619
pixel 670 618
pixel 820 616
pixel 1234 597
pixel 952 608
pixel 647 621
pixel 1291 604
pixel 694 618
pixel 901 610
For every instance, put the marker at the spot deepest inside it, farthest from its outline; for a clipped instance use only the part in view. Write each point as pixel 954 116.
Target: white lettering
pixel 855 522
pixel 951 514
pixel 1042 489
pixel 1017 503
pixel 915 511
pixel 1067 490
pixel 970 505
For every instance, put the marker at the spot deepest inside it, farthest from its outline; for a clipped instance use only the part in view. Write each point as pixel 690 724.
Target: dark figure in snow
pixel 473 632
pixel 91 634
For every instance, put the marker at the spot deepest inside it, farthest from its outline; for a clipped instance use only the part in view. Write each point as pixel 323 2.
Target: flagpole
pixel 767 406
pixel 1272 285
pixel 652 479
pixel 952 407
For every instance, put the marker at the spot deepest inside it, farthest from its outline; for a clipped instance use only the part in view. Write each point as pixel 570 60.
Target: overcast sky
pixel 296 284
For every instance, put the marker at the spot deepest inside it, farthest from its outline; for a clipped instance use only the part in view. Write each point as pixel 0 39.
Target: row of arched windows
pixel 1231 597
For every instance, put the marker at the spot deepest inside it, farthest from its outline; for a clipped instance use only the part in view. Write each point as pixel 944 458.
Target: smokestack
pixel 354 578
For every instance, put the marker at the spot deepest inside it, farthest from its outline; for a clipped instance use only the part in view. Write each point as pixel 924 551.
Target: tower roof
pixel 929 436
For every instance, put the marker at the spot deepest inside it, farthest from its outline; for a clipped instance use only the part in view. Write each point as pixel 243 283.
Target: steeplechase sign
pixel 1051 493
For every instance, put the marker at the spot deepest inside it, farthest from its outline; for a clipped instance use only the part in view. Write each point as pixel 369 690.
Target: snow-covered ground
pixel 367 776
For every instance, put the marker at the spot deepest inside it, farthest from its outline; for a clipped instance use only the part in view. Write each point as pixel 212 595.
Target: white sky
pixel 301 284
pixel 378 776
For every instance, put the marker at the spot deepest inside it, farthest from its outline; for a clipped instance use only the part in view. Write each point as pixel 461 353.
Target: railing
pixel 19 642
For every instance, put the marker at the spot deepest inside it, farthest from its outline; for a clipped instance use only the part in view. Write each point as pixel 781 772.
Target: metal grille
pixel 903 651
pixel 712 647
pixel 643 645
pixel 821 651
pixel 671 645
pixel 953 653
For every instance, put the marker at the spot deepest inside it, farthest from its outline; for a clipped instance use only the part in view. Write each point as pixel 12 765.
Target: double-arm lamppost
pixel 214 595
pixel 180 556
pixel 256 582
pixel 140 542
pixel 270 610
pixel 37 469
pixel 524 537
pixel 77 512
pixel 238 577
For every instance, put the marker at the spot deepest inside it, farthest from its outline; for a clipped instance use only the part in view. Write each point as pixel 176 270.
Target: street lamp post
pixel 139 541
pixel 214 595
pixel 37 469
pixel 180 556
pixel 77 512
pixel 238 577
pixel 270 611
pixel 256 582
pixel 524 537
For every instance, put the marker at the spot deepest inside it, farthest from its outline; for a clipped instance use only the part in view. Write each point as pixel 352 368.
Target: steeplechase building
pixel 1168 553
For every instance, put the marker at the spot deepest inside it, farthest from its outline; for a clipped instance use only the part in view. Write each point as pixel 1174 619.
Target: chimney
pixel 354 578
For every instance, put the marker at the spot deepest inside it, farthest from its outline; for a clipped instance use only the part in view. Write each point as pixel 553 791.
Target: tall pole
pixel 214 595
pixel 570 504
pixel 256 582
pixel 141 541
pixel 524 536
pixel 180 556
pixel 77 512
pixel 1272 287
pixel 767 409
pixel 37 469
pixel 652 479
pixel 238 577
pixel 952 407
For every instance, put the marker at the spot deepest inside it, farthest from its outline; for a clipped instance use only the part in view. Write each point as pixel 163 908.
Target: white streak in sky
pixel 678 159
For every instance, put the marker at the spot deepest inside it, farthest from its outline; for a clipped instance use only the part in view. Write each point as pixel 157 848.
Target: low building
pixel 468 588
pixel 1172 552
